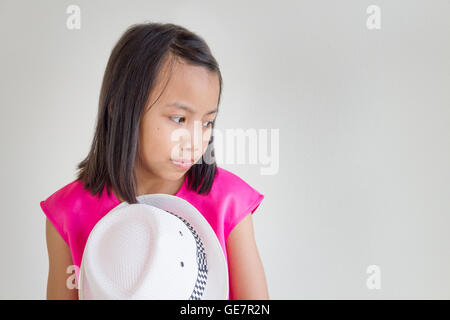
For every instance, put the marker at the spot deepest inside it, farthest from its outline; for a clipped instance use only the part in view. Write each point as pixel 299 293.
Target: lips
pixel 183 164
pixel 186 162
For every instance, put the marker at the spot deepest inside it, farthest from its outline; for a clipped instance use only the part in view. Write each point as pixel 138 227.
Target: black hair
pixel 130 75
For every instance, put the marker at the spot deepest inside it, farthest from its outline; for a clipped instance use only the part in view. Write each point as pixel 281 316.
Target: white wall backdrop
pixel 363 116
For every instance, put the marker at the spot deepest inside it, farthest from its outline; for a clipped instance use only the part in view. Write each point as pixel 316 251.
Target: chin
pixel 170 176
pixel 174 175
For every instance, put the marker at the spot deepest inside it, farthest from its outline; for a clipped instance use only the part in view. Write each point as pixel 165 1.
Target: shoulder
pixel 236 198
pixel 62 198
pixel 58 205
pixel 74 196
pixel 74 211
pixel 230 183
pixel 68 197
pixel 72 205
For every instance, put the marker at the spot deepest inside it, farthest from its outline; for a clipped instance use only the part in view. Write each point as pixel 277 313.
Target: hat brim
pixel 217 282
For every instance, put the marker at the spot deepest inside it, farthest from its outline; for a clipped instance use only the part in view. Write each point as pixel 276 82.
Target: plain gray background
pixel 364 161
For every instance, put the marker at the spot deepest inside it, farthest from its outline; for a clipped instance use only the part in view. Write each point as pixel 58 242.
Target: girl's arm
pixel 60 258
pixel 247 278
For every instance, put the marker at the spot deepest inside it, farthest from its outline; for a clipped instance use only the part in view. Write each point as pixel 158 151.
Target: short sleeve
pixel 248 200
pixel 55 214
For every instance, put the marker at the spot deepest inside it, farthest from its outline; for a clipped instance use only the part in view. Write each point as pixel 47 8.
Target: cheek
pixel 161 138
pixel 155 143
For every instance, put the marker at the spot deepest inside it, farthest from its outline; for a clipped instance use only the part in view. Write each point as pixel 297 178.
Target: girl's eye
pixel 177 118
pixel 210 123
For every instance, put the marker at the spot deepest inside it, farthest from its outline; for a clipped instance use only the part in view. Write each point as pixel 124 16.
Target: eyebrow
pixel 187 108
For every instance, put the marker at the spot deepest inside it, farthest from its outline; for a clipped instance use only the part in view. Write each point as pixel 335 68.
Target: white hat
pixel 159 248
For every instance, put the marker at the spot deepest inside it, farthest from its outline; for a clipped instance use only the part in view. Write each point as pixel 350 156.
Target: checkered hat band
pixel 202 274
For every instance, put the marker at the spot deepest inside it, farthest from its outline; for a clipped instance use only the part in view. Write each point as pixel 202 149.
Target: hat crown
pixel 140 248
pixel 159 248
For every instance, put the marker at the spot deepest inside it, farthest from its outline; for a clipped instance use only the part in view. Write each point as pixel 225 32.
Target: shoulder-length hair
pixel 130 75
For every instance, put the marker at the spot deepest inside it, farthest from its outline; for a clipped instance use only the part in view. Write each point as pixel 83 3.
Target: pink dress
pixel 73 211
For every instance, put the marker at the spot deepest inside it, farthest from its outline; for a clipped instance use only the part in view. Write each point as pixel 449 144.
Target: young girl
pixel 158 105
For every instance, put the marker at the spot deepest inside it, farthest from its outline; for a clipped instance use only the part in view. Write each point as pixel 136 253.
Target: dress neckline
pixel 113 196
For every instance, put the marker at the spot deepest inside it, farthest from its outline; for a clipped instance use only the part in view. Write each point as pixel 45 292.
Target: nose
pixel 192 141
pixel 190 150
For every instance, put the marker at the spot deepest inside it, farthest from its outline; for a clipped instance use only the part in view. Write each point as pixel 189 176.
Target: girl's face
pixel 167 130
